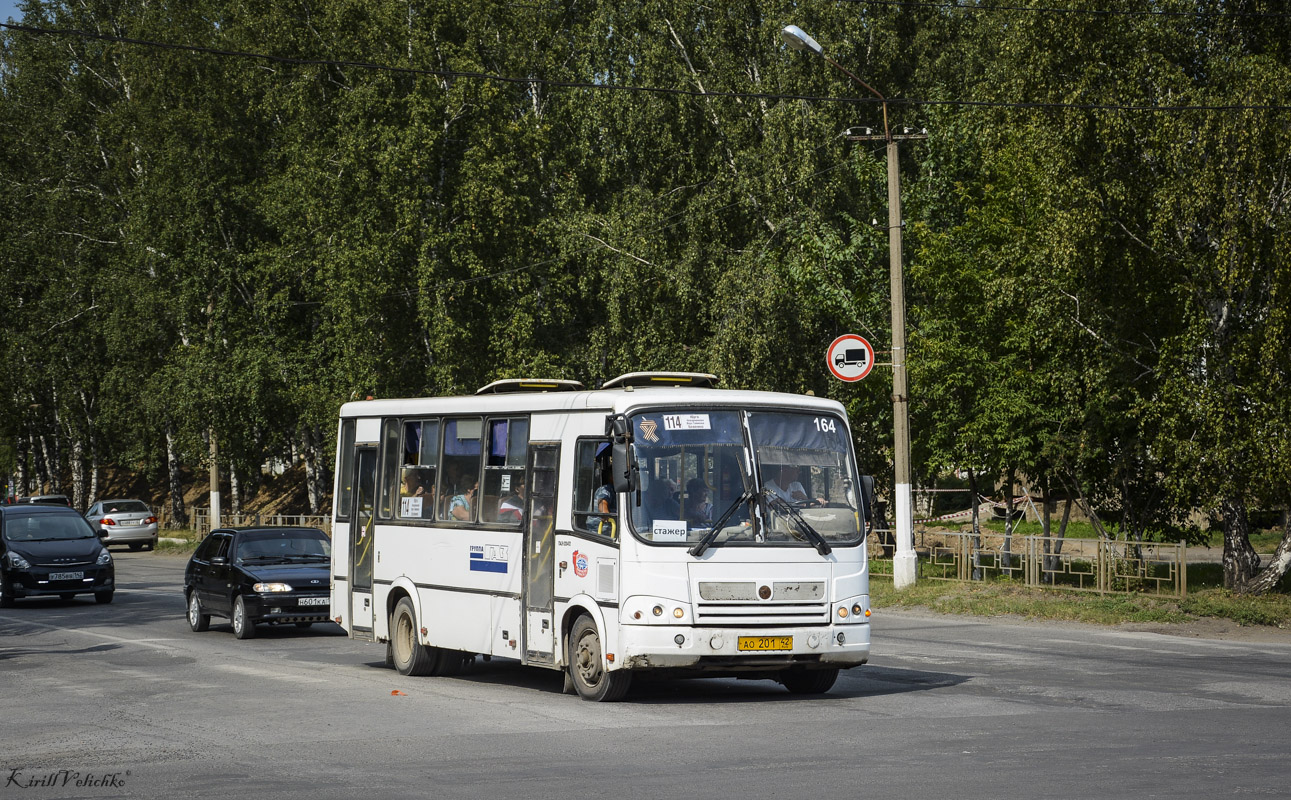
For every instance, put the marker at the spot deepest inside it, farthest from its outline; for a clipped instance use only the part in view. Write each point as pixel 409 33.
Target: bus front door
pixel 362 532
pixel 539 555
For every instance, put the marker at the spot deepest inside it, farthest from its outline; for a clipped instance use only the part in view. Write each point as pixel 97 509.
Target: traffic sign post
pixel 850 357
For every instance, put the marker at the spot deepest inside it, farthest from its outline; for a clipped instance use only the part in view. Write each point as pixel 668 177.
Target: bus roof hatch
pixel 515 385
pixel 699 380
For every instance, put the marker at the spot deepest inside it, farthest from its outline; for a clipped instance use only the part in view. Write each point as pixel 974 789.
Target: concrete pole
pixel 215 481
pixel 904 565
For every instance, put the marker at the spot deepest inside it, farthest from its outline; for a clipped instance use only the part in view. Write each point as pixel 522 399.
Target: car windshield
pixel 695 474
pixel 45 527
pixel 282 547
pixel 125 507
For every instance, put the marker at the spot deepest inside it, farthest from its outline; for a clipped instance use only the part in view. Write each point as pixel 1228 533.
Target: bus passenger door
pixel 539 555
pixel 362 529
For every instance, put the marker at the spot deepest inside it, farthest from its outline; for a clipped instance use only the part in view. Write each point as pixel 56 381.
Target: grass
pixel 1005 597
pixel 187 544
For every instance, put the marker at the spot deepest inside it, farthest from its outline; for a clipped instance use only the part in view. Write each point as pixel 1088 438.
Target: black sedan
pixel 252 575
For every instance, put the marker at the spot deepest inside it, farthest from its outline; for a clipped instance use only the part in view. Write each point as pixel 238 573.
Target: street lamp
pixel 903 566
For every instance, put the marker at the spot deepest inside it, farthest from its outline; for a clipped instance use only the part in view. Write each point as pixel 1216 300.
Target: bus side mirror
pixel 867 495
pixel 625 471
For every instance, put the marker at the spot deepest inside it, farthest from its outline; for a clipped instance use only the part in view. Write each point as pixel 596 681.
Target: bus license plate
pixel 66 576
pixel 766 643
pixel 314 601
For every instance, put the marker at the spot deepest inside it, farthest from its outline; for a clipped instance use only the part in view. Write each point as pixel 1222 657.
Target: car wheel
pixel 103 598
pixel 587 667
pixel 150 546
pixel 196 619
pixel 6 594
pixel 243 627
pixel 136 546
pixel 410 656
pixel 808 681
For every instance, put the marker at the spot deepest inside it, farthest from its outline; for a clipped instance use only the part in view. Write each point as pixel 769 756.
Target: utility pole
pixel 904 562
pixel 215 480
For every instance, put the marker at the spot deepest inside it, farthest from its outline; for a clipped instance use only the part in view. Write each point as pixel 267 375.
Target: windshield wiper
pixel 803 525
pixel 713 532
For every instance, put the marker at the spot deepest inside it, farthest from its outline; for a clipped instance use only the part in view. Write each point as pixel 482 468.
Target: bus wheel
pixel 450 663
pixel 808 681
pixel 410 657
pixel 586 665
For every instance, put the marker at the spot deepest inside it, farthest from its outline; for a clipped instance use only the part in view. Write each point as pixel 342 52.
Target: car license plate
pixel 66 576
pixel 766 643
pixel 314 601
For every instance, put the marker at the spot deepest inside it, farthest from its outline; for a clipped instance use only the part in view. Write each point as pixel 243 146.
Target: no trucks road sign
pixel 850 357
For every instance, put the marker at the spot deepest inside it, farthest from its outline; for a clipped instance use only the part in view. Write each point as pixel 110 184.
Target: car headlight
pixel 272 587
pixel 105 558
pixel 18 562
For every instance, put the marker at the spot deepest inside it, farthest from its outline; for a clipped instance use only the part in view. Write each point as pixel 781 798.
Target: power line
pixel 655 90
pixel 1086 11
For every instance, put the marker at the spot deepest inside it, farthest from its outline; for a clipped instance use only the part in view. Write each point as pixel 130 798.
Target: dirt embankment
pixel 276 494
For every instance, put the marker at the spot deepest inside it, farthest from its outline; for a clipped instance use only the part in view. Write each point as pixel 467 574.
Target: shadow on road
pixel 861 682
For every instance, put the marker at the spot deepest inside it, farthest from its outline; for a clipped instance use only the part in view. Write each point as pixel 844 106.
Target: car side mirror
pixel 219 561
pixel 625 471
pixel 867 496
pixel 102 533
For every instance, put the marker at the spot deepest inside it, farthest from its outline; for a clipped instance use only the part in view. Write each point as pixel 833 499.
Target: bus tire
pixel 410 657
pixel 808 681
pixel 451 663
pixel 587 665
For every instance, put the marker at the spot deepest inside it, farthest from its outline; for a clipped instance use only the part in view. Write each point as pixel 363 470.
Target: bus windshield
pixel 766 477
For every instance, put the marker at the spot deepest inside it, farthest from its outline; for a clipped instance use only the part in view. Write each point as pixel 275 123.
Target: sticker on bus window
pixel 410 506
pixel 669 530
pixel 686 422
pixel 506 481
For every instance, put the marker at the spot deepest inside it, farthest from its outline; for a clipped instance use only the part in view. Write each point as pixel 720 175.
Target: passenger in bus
pixel 460 507
pixel 511 507
pixel 788 488
pixel 603 499
pixel 699 511
pixel 414 487
pixel 659 501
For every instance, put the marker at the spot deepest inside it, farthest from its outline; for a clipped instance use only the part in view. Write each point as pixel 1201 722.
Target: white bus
pixel 657 523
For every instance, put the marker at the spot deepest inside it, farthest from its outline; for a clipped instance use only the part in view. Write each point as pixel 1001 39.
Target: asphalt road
pixel 125 699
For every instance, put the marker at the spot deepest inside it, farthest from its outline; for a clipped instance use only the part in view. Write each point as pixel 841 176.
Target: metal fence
pixel 1083 565
pixel 202 520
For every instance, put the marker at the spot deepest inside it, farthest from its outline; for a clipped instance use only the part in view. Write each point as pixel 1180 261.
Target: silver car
pixel 126 522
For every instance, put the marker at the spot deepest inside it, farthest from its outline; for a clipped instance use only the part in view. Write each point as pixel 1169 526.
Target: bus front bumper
pixel 726 649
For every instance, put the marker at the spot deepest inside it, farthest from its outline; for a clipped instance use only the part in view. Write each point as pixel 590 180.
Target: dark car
pixel 46 499
pixel 48 550
pixel 253 575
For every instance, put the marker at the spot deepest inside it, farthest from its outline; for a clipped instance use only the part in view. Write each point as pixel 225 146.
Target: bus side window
pixel 595 504
pixel 389 476
pixel 460 476
pixel 502 494
pixel 418 489
pixel 345 471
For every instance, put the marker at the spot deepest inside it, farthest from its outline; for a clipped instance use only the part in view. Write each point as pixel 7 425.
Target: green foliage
pixel 1097 293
